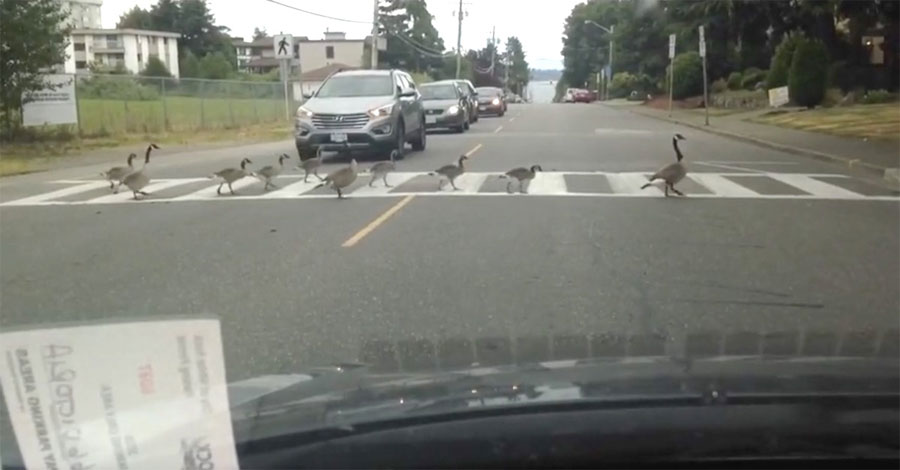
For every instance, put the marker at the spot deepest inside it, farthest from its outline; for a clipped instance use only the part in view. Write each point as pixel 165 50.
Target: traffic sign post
pixel 671 69
pixel 705 93
pixel 283 45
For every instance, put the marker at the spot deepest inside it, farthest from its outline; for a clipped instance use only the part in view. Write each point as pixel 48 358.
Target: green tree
pixel 189 65
pixel 136 18
pixel 260 33
pixel 155 68
pixel 808 76
pixel 215 66
pixel 687 75
pixel 32 39
pixel 519 72
pixel 781 62
pixel 412 40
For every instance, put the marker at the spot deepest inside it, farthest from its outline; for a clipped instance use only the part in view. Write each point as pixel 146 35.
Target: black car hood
pixel 351 393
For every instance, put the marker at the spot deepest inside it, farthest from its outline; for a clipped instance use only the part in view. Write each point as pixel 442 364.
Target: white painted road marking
pixel 498 129
pixel 549 183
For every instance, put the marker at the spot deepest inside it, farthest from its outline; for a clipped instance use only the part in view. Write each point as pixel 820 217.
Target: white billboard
pixel 55 104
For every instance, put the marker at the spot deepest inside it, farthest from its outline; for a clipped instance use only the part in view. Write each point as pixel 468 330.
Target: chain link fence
pixel 122 104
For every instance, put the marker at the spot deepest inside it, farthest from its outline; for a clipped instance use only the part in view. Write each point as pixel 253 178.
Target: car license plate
pixel 339 137
pixel 482 108
pixel 430 119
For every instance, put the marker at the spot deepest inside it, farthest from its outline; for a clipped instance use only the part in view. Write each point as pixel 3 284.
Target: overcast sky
pixel 540 27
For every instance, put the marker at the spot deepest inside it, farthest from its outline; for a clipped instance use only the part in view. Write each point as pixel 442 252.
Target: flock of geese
pixel 137 179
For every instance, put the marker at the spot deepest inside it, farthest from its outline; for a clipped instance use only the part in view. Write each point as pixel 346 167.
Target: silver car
pixel 361 110
pixel 445 105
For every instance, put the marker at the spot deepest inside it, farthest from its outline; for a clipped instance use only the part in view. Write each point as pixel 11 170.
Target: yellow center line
pixel 378 221
pixel 498 129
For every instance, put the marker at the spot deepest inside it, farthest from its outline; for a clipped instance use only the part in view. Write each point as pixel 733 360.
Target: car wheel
pixel 466 124
pixel 419 144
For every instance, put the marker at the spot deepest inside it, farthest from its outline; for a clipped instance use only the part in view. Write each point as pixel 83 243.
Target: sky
pixel 539 28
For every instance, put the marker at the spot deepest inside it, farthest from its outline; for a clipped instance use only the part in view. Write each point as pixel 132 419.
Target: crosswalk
pixel 553 183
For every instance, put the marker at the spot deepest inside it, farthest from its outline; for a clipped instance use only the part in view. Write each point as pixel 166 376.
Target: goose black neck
pixel 678 154
pixel 461 161
pixel 147 155
pixel 243 164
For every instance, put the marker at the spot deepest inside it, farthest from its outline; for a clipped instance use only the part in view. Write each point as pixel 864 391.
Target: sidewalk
pixel 877 157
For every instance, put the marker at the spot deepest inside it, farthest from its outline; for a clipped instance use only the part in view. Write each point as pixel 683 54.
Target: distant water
pixel 541 92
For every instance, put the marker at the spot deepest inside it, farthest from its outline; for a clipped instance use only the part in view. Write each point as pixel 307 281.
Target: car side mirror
pixel 307 95
pixel 407 93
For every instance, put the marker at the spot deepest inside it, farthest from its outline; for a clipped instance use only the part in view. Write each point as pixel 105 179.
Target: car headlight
pixel 496 101
pixel 304 113
pixel 382 111
pixel 453 109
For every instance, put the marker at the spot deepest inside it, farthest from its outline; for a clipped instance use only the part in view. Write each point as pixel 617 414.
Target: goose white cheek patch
pixel 142 394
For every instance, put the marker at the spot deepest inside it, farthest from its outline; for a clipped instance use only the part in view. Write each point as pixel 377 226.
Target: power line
pixel 416 48
pixel 317 14
pixel 414 43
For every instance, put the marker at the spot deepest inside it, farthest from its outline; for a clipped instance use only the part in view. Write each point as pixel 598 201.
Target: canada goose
pixel 340 179
pixel 117 173
pixel 522 174
pixel 381 169
pixel 269 172
pixel 138 180
pixel 311 166
pixel 673 172
pixel 450 173
pixel 230 175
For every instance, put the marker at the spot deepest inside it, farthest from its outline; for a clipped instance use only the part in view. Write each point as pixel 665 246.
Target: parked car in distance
pixel 471 98
pixel 569 96
pixel 583 96
pixel 361 110
pixel 445 105
pixel 491 100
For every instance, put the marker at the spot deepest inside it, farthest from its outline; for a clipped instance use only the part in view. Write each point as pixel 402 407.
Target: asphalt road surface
pixel 767 253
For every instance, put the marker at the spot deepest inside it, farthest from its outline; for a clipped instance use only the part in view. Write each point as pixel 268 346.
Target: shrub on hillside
pixel 809 69
pixel 751 77
pixel 155 68
pixel 116 88
pixel 622 84
pixel 781 62
pixel 718 86
pixel 734 81
pixel 687 75
pixel 878 96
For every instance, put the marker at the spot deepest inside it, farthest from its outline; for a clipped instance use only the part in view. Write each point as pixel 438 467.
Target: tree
pixel 412 40
pixel 260 33
pixel 155 68
pixel 32 39
pixel 781 62
pixel 215 66
pixel 189 65
pixel 809 69
pixel 518 67
pixel 687 78
pixel 136 18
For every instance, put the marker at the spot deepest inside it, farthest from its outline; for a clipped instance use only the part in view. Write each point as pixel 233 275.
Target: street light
pixel 609 31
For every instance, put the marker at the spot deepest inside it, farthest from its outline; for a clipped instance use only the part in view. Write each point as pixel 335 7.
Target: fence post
pixel 202 112
pixel 162 87
pixel 77 105
pixel 125 104
pixel 255 105
pixel 230 100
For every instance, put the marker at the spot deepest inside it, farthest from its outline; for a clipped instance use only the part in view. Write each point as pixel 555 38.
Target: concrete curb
pixel 889 175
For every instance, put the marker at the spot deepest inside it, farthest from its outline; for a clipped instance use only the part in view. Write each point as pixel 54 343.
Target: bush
pixel 155 68
pixel 116 88
pixel 878 96
pixel 687 75
pixel 622 84
pixel 781 62
pixel 718 86
pixel 809 69
pixel 421 78
pixel 734 81
pixel 833 97
pixel 751 77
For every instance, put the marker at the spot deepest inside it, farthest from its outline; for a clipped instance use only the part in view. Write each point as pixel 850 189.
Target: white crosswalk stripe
pixel 553 183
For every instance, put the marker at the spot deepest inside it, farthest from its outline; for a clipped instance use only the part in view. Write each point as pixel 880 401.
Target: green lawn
pixel 879 121
pixel 115 117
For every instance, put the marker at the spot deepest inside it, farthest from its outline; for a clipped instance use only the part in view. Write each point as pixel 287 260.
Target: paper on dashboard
pixel 144 394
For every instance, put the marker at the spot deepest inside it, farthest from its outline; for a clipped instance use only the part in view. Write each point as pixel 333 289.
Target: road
pixel 768 252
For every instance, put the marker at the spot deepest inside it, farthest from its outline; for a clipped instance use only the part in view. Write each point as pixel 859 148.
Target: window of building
pixel 79 46
pixel 112 37
pixel 80 64
pixel 329 52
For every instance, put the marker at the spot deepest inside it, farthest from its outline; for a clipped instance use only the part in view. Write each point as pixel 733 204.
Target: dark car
pixel 445 105
pixel 491 100
pixel 471 98
pixel 361 110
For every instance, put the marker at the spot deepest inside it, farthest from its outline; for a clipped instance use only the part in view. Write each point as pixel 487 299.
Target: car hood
pixel 342 395
pixel 486 99
pixel 360 104
pixel 439 104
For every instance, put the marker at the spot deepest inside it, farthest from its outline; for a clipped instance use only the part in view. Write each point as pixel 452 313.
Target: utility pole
pixel 459 38
pixel 374 57
pixel 493 50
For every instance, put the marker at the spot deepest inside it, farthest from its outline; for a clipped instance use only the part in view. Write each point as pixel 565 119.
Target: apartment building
pixel 309 54
pixel 130 48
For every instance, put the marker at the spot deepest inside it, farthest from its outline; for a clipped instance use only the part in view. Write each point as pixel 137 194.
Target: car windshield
pixel 489 91
pixel 438 92
pixel 226 223
pixel 348 86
